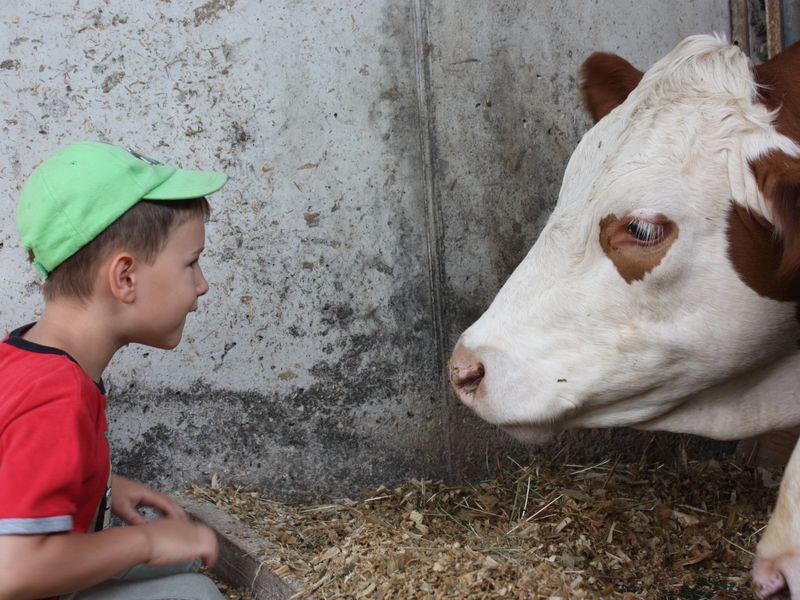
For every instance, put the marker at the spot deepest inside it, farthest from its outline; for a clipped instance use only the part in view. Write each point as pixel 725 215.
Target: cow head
pixel 662 270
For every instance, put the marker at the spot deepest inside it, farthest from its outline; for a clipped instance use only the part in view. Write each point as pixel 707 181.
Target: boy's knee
pixel 179 586
pixel 195 586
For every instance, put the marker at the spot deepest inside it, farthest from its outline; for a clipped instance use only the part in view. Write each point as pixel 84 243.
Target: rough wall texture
pixel 391 162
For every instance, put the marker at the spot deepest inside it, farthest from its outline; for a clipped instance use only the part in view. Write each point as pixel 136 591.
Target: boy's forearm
pixel 49 565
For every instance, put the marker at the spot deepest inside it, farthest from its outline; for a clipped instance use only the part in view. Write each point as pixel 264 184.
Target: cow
pixel 662 293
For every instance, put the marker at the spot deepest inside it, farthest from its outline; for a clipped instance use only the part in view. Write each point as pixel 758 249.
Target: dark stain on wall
pixel 327 439
pixel 355 425
pixel 210 11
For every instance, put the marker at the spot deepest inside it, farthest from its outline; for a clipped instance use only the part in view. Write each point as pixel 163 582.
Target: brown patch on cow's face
pixel 756 254
pixel 636 245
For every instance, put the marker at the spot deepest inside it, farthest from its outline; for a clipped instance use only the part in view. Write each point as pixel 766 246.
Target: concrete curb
pixel 239 551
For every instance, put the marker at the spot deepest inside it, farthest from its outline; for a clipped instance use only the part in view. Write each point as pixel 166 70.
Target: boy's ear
pixel 121 273
pixel 606 81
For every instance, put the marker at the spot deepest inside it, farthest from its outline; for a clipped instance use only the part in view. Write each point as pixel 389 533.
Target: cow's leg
pixel 777 565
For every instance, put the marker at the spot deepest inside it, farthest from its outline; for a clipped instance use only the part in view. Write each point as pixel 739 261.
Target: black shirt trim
pixel 15 339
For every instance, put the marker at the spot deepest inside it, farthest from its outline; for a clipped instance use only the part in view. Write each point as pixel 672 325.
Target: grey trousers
pixel 175 582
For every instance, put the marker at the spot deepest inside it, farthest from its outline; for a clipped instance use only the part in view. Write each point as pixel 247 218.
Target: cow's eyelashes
pixel 645 232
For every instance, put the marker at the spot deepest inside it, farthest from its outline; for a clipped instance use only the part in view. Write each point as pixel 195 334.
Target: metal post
pixel 790 16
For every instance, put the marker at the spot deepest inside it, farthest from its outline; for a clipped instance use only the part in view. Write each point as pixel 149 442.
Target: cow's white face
pixel 633 298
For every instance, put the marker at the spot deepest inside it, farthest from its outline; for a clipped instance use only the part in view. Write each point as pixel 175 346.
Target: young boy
pixel 117 237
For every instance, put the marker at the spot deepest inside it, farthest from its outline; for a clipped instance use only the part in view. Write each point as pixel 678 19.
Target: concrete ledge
pixel 240 549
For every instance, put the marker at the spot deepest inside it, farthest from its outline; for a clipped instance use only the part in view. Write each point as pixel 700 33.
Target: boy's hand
pixel 128 495
pixel 173 542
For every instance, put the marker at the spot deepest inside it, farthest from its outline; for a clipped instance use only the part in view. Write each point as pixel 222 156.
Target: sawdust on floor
pixel 606 530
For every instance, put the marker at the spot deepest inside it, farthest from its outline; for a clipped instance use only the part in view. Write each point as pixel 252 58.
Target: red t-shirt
pixel 54 456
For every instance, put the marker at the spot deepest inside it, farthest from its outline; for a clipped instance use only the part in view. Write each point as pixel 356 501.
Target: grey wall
pixel 390 162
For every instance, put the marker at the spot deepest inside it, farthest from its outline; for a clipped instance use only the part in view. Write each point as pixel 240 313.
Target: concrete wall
pixel 391 162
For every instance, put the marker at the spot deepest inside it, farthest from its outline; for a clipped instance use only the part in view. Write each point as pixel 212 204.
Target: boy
pixel 117 237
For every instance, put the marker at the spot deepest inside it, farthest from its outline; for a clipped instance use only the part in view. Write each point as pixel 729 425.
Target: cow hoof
pixel 777 578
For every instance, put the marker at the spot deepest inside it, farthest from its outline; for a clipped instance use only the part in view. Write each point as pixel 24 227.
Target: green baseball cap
pixel 78 192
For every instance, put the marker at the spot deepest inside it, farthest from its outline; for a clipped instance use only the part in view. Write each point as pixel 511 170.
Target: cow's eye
pixel 645 232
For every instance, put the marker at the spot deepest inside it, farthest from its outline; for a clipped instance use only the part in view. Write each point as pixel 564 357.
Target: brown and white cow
pixel 662 293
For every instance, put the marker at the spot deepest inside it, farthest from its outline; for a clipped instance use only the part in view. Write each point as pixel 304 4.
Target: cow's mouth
pixel 535 435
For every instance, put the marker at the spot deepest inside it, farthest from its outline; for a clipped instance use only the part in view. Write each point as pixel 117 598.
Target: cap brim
pixel 185 184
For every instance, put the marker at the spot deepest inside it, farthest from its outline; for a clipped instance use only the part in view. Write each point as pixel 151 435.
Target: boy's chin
pixel 170 346
pixel 163 343
pixel 173 342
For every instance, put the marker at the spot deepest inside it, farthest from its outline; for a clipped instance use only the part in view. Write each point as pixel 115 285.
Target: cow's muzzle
pixel 466 373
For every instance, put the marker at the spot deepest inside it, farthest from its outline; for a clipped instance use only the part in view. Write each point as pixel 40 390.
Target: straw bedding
pixel 606 530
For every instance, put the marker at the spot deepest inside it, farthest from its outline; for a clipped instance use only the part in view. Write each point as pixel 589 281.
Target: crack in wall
pixel 433 213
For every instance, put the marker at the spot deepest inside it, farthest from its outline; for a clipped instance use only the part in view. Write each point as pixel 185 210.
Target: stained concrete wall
pixel 391 161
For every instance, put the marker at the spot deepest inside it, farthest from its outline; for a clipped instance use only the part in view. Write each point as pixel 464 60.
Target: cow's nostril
pixel 466 378
pixel 466 372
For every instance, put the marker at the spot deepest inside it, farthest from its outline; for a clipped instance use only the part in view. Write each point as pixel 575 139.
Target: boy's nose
pixel 202 288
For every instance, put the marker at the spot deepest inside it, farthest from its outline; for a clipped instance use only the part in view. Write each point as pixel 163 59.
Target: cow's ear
pixel 606 80
pixel 777 173
pixel 778 176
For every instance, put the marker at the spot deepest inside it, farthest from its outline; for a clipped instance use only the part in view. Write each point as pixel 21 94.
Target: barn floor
pixel 607 530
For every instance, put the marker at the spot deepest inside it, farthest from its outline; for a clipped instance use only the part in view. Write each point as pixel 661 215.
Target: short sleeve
pixel 44 453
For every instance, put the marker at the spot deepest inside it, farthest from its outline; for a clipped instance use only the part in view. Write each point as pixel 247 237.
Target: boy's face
pixel 167 289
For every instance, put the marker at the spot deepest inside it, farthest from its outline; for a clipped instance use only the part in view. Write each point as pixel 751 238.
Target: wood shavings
pixel 541 531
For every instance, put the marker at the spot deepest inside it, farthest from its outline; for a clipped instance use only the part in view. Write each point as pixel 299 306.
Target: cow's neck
pixel 752 403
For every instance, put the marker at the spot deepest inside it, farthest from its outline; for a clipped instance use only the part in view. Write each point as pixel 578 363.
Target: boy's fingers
pixel 210 556
pixel 136 519
pixel 165 505
pixel 208 541
pixel 175 511
pixel 131 516
pixel 170 508
pixel 210 559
